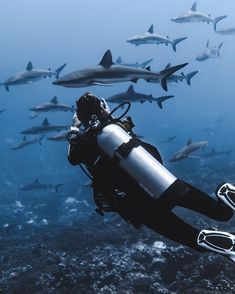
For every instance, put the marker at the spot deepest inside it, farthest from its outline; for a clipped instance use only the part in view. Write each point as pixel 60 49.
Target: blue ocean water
pixel 50 33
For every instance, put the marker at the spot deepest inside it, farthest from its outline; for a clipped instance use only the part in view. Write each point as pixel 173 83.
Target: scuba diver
pixel 129 178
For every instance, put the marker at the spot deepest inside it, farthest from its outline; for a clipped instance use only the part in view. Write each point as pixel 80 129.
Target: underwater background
pixel 54 242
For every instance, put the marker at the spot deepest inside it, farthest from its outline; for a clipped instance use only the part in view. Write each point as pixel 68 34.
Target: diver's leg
pixel 166 223
pixel 201 202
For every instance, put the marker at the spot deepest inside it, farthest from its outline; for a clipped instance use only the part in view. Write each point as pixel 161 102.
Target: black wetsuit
pixel 138 207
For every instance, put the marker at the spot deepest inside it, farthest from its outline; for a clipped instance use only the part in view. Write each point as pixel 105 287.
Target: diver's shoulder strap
pixel 125 149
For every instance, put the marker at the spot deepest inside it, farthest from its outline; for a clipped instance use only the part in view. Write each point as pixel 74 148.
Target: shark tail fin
pixel 217 19
pixel 56 187
pixel 145 63
pixel 219 47
pixel 189 76
pixel 229 151
pixel 160 100
pixel 40 140
pixel 176 41
pixel 166 73
pixel 59 69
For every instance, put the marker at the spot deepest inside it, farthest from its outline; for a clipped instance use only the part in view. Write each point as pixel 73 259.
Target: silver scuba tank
pixel 150 174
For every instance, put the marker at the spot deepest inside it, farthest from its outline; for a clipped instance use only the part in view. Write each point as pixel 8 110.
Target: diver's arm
pixel 82 149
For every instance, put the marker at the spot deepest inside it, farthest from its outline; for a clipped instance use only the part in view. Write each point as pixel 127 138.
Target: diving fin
pixel 226 193
pixel 218 241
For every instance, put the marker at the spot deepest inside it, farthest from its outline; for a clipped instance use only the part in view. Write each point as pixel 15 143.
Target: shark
pixel 151 38
pixel 187 150
pixel 136 64
pixel 131 96
pixel 30 75
pixel 174 78
pixel 2 110
pixel 209 52
pixel 62 136
pixel 53 105
pixel 107 72
pixel 193 15
pixel 45 127
pixel 37 185
pixel 25 142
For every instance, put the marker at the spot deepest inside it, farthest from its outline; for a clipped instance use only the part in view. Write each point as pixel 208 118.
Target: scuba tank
pixel 149 173
pixel 114 139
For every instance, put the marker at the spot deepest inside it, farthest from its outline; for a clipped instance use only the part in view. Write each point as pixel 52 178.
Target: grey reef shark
pixel 151 38
pixel 30 75
pixel 193 15
pixel 107 72
pixel 131 96
pixel 187 150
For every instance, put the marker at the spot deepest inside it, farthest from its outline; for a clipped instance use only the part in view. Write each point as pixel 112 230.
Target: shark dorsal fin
pixel 207 43
pixel 107 59
pixel 148 68
pixel 150 30
pixel 45 122
pixel 194 7
pixel 189 141
pixel 54 100
pixel 24 138
pixel 168 65
pixel 119 60
pixel 36 181
pixel 130 89
pixel 29 66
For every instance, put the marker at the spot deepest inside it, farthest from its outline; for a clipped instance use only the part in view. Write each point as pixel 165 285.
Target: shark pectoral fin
pixel 107 59
pixel 24 138
pixel 160 100
pixel 29 66
pixel 6 87
pixel 176 41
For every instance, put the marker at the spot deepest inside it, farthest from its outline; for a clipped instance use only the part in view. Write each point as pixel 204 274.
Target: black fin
pixel 45 122
pixel 130 89
pixel 54 100
pixel 107 59
pixel 150 30
pixel 29 66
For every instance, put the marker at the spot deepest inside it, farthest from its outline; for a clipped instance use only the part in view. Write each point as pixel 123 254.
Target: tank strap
pixel 125 149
